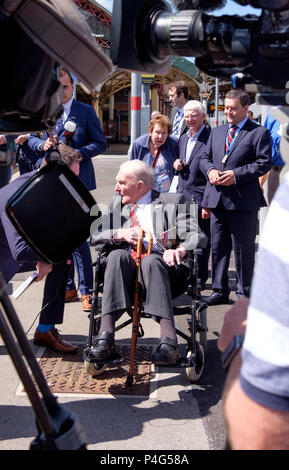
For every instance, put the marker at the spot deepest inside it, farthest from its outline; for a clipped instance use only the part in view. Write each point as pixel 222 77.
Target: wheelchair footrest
pixel 114 361
pixel 181 363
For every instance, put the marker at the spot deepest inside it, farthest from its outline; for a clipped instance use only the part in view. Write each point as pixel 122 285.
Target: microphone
pixel 199 4
pixel 70 128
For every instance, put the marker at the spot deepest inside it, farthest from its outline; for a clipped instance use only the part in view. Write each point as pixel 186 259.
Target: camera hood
pixel 60 30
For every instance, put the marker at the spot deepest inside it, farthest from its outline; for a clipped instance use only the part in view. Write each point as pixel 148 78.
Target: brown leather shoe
pixel 71 295
pixel 86 305
pixel 53 340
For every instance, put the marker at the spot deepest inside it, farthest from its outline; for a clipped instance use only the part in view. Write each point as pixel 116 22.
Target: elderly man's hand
pixel 129 235
pixel 171 257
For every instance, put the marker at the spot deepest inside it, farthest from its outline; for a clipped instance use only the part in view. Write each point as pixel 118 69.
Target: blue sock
pixel 44 328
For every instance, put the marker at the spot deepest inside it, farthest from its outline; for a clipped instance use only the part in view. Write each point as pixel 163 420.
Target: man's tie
pixel 177 121
pixel 134 222
pixel 59 126
pixel 230 137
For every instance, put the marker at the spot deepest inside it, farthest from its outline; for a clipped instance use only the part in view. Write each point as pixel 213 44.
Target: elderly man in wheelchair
pixel 162 274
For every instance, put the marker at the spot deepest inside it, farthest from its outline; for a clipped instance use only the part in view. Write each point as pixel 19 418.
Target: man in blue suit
pixel 236 155
pixel 17 256
pixel 88 139
pixel 191 181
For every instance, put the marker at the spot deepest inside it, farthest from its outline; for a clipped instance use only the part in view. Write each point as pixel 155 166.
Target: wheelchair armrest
pixel 198 251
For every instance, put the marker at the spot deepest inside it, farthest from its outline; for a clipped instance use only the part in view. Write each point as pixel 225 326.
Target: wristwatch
pixel 231 350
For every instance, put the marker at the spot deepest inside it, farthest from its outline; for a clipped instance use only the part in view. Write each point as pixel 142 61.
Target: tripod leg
pixel 60 429
pixel 25 345
pixel 15 354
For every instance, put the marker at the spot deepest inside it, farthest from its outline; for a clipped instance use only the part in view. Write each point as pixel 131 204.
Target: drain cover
pixel 67 374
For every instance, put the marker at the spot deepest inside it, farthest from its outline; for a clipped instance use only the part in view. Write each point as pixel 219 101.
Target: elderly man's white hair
pixel 196 105
pixel 140 171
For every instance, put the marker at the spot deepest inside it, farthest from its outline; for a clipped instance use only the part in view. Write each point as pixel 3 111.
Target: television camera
pixel 252 51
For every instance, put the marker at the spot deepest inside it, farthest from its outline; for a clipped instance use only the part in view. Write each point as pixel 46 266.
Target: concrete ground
pixel 177 415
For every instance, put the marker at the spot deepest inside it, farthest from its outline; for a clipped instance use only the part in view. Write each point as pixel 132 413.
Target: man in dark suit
pixel 237 154
pixel 191 181
pixel 162 274
pixel 178 96
pixel 88 139
pixel 17 256
pixel 5 170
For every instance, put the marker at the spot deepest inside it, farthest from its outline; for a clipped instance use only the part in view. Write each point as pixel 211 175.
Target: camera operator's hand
pixel 42 269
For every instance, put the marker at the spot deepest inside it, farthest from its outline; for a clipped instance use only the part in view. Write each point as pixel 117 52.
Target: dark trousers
pixel 53 302
pixel 5 175
pixel 233 230
pixel 160 283
pixel 203 262
pixel 83 263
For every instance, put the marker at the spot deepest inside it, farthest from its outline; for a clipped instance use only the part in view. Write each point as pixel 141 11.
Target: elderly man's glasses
pixel 192 116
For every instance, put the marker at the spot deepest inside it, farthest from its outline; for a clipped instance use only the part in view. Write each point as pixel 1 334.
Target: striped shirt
pixel 265 369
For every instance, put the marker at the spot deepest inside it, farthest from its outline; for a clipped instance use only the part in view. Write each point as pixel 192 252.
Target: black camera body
pixel 252 51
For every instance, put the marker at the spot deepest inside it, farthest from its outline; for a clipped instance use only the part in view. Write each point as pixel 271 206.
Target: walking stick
pixel 137 306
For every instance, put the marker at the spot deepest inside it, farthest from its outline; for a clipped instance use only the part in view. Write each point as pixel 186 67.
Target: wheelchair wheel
pixel 203 332
pixel 195 372
pixel 94 369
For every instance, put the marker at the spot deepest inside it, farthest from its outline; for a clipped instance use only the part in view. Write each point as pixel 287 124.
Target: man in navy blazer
pixel 191 181
pixel 178 97
pixel 236 155
pixel 88 139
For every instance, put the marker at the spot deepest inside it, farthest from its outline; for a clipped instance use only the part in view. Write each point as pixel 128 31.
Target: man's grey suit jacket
pixel 169 212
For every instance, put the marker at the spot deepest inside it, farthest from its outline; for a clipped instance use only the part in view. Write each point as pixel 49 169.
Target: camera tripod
pixel 57 428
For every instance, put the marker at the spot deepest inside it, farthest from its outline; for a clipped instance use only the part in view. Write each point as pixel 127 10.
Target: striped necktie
pixel 59 126
pixel 230 136
pixel 177 121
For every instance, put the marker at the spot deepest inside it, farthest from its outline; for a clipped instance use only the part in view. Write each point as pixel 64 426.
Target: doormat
pixel 67 374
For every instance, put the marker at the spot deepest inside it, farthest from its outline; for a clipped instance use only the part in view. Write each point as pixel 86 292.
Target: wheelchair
pixel 188 303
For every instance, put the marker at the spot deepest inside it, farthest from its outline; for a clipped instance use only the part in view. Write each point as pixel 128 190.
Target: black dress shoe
pixel 103 347
pixel 167 352
pixel 216 298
